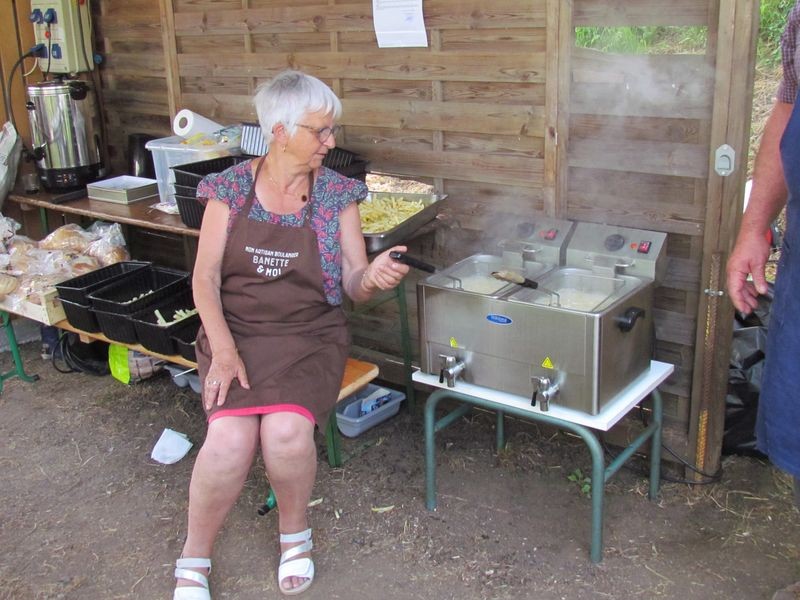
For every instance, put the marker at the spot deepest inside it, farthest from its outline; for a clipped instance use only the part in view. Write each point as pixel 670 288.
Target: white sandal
pixel 183 570
pixel 296 567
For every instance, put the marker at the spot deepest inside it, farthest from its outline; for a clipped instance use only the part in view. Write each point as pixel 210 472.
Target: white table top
pixel 611 413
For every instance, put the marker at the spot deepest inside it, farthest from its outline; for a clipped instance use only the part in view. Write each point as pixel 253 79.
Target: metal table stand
pixel 399 295
pixel 582 424
pixel 18 370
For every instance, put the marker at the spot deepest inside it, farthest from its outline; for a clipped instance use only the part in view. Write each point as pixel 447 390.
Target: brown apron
pixel 294 344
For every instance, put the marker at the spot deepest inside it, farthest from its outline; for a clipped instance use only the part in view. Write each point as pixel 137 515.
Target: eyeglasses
pixel 322 133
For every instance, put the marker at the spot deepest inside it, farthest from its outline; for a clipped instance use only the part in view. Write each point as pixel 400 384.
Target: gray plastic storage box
pixel 348 411
pixel 182 377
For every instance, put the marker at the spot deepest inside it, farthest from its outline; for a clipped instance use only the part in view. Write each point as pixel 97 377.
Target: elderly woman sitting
pixel 280 243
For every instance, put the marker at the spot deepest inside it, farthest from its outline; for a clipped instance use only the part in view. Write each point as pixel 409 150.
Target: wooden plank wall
pixel 466 113
pixel 135 94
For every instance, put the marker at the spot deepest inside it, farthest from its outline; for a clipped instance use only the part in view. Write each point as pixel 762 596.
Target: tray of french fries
pixel 390 218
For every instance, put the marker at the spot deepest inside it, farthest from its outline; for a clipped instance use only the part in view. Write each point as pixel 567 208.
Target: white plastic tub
pixel 348 412
pixel 175 150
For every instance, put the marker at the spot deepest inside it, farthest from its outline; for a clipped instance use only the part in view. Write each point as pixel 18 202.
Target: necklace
pixel 303 197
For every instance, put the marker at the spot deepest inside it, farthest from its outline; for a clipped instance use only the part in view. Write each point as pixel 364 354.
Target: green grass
pixel 684 40
pixel 773 20
pixel 643 40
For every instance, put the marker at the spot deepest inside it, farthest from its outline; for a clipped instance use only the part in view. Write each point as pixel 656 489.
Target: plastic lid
pixel 176 142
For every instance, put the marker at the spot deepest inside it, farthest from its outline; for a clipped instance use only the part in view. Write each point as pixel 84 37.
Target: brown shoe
pixel 790 592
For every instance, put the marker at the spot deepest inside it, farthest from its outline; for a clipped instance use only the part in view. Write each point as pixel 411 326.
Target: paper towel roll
pixel 188 123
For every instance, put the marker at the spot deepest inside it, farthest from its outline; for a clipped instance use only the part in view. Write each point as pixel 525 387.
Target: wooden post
pixel 16 38
pixel 556 135
pixel 736 46
pixel 170 56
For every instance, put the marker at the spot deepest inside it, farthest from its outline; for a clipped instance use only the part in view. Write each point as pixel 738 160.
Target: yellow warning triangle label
pixel 547 363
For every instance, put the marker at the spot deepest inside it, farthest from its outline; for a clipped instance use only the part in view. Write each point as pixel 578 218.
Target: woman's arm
pixel 361 279
pixel 206 282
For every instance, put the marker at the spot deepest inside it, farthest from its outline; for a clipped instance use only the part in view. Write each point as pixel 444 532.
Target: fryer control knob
pixel 614 242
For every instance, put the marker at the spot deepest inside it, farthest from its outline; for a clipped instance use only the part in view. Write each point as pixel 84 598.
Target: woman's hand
pixel 384 273
pixel 225 367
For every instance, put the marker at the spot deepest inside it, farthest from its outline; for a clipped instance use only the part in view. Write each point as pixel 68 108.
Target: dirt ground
pixel 88 515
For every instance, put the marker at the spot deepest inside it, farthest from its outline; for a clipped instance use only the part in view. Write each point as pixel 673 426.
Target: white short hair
pixel 288 97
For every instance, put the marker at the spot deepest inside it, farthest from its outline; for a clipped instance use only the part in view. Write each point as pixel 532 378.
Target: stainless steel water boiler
pixel 65 127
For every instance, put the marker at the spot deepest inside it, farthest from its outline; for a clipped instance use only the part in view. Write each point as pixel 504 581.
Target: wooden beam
pixel 560 40
pixel 169 42
pixel 348 17
pixel 738 27
pixel 624 13
pixel 16 38
pixel 400 64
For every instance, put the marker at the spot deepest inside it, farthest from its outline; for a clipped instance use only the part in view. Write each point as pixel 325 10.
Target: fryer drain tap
pixel 451 368
pixel 542 386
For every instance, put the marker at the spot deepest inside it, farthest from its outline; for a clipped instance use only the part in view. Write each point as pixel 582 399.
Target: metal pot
pixel 65 127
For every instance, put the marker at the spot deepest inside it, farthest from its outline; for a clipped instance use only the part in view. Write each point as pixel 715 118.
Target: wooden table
pixel 139 214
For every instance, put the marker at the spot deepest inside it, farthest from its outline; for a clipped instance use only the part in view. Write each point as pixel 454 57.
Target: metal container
pixel 473 275
pixel 376 242
pixel 65 127
pixel 578 339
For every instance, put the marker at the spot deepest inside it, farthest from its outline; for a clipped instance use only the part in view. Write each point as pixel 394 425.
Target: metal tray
pixel 377 242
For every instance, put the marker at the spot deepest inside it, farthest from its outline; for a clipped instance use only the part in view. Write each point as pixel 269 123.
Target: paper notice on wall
pixel 399 23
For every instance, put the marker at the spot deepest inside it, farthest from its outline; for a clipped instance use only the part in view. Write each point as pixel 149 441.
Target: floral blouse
pixel 332 193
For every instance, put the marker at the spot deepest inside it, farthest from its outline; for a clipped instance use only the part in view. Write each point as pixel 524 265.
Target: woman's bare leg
pixel 290 457
pixel 219 474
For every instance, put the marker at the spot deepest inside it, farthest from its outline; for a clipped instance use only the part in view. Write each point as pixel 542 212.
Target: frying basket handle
pixel 411 261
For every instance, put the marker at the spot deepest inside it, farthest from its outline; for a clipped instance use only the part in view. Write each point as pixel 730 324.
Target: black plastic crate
pixel 337 158
pixel 116 327
pixel 191 211
pixel 77 289
pixel 158 338
pixel 184 338
pixel 192 173
pixel 189 191
pixel 347 163
pixel 117 297
pixel 80 316
pixel 355 170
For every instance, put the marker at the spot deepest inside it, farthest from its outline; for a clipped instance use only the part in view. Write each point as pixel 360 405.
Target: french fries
pixel 382 214
pixel 178 315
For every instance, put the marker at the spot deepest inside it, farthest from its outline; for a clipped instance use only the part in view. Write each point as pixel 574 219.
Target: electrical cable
pixel 73 362
pixel 712 478
pixel 33 68
pixel 7 92
pixel 49 52
pixel 645 473
pixel 59 351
